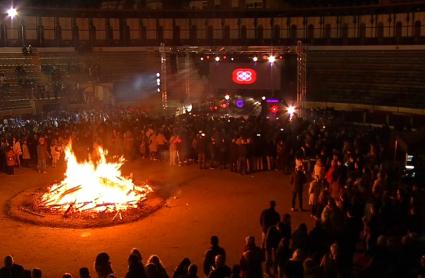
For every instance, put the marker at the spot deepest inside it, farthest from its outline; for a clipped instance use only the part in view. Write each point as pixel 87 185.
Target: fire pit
pixel 93 193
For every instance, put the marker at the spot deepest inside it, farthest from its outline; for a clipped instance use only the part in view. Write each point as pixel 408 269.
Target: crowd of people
pixel 367 223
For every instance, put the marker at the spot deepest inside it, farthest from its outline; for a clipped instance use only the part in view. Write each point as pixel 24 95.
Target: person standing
pixel 10 161
pixel 26 155
pixel 298 180
pixel 42 155
pixel 17 150
pixel 251 260
pixel 175 142
pixel 211 253
pixel 269 217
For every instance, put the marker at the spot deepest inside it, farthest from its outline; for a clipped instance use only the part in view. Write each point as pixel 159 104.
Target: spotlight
pixel 226 97
pixel 291 110
pixel 202 58
pixel 255 59
pixel 232 59
pixel 12 12
pixel 240 103
pixel 158 74
pixel 217 59
pixel 272 59
pixel 159 90
pixel 158 80
pixel 263 98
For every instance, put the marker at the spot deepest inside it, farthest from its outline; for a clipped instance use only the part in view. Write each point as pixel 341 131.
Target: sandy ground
pixel 204 203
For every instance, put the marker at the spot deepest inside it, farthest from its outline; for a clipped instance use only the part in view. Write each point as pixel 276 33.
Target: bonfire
pixel 94 186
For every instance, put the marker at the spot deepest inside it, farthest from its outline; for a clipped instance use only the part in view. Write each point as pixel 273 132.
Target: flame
pixel 94 186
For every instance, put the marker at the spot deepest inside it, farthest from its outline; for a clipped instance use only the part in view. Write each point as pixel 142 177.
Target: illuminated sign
pixel 244 76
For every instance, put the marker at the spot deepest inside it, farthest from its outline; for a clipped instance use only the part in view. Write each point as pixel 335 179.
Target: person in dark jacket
pixel 298 181
pixel 251 260
pixel 182 269
pixel 273 237
pixel 220 269
pixel 102 265
pixel 11 269
pixel 269 217
pixel 135 267
pixel 211 253
pixel 294 267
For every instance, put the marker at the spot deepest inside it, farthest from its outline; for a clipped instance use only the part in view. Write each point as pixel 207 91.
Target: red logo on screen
pixel 244 76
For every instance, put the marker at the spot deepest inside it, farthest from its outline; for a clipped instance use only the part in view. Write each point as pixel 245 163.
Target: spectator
pixel 192 271
pixel 84 272
pixel 211 253
pixel 26 155
pixel 300 238
pixel 42 155
pixel 10 161
pixel 251 260
pixel 269 217
pixel 182 269
pixel 283 254
pixel 220 269
pixel 155 269
pixel 102 265
pixel 135 267
pixel 236 271
pixel 11 269
pixel 17 150
pixel 36 273
pixel 331 263
pixel 298 180
pixel 294 267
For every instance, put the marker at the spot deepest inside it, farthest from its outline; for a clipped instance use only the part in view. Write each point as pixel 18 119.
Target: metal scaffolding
pixel 164 96
pixel 187 75
pixel 301 75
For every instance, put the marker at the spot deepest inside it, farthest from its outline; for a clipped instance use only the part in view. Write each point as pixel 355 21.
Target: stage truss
pixel 300 50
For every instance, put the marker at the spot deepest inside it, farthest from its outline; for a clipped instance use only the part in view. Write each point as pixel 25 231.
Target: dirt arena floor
pixel 203 203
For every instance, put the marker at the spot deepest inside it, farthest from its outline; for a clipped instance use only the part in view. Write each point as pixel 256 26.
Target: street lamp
pixel 12 12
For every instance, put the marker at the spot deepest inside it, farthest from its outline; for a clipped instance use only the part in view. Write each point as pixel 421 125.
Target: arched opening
pixel 176 33
pixel 160 33
pixel 243 35
pixel 260 32
pixel 417 29
pixel 362 31
pixel 210 33
pixel 398 30
pixel 226 34
pixel 276 32
pixel 310 32
pixel 143 33
pixel 193 34
pixel 344 31
pixel 380 31
pixel 293 32
pixel 327 32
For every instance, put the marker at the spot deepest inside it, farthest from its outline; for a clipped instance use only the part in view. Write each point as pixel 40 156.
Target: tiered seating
pixel 386 78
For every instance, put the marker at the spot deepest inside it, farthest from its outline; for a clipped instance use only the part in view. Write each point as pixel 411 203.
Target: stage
pixel 202 203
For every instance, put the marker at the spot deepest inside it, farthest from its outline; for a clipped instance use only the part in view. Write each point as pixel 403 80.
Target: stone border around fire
pixel 21 207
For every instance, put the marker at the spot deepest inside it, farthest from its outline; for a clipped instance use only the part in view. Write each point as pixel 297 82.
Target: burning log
pixel 31 211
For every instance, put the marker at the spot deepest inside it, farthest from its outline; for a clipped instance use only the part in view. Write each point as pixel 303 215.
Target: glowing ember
pixel 94 186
